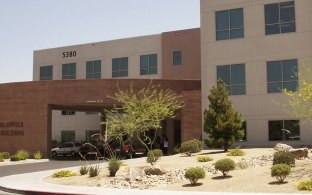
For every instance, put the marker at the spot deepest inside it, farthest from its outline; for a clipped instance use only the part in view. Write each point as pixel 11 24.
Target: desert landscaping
pixel 252 174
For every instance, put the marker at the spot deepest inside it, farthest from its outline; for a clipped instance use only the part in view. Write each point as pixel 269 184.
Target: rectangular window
pixel 229 24
pixel 234 78
pixel 282 75
pixel 280 18
pixel 148 64
pixel 177 58
pixel 67 112
pixel 120 67
pixel 93 69
pixel 89 136
pixel 68 136
pixel 281 130
pixel 69 71
pixel 46 72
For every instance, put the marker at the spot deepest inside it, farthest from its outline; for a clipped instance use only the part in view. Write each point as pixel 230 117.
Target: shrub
pixel 204 158
pixel 280 171
pixel 14 158
pixel 191 146
pixel 37 155
pixel 305 185
pixel 225 165
pixel 84 169
pixel 1 160
pixel 153 155
pixel 113 166
pixel 194 174
pixel 176 150
pixel 283 157
pixel 4 155
pixel 22 154
pixel 236 152
pixel 64 173
pixel 94 170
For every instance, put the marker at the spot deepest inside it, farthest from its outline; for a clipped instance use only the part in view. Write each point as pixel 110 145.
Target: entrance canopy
pixel 26 108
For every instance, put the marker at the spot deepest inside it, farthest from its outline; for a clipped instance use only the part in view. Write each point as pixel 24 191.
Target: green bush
pixel 14 158
pixel 84 169
pixel 113 166
pixel 176 150
pixel 191 146
pixel 204 158
pixel 283 157
pixel 305 185
pixel 225 165
pixel 235 152
pixel 22 154
pixel 194 174
pixel 153 155
pixel 94 170
pixel 37 155
pixel 64 173
pixel 4 155
pixel 280 171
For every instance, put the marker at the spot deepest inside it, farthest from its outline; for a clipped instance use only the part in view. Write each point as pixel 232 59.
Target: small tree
pixel 138 111
pixel 221 122
pixel 300 100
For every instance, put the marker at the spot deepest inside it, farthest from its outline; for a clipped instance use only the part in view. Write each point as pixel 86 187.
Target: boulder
pixel 155 170
pixel 299 153
pixel 282 147
pixel 129 173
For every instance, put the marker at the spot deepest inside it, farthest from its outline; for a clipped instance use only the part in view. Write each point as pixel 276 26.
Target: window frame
pixel 282 80
pixel 43 72
pixel 284 136
pixel 279 23
pixel 148 67
pixel 66 72
pixel 63 132
pixel 117 73
pixel 230 85
pixel 175 61
pixel 229 29
pixel 93 74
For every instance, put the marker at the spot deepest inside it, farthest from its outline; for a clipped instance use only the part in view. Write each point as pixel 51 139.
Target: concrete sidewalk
pixel 31 183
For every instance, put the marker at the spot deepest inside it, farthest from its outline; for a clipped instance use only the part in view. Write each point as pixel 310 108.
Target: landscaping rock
pixel 299 153
pixel 282 147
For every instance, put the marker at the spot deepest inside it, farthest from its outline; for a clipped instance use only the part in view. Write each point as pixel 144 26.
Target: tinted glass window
pixel 120 67
pixel 69 71
pixel 148 64
pixel 229 24
pixel 46 73
pixel 93 69
pixel 177 58
pixel 282 130
pixel 234 77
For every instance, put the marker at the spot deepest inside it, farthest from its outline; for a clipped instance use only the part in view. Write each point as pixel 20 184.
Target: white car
pixel 68 148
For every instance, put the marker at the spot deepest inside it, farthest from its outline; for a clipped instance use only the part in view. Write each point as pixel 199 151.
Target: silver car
pixel 67 148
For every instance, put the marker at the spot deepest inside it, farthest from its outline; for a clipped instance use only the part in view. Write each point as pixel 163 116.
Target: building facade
pixel 170 55
pixel 256 47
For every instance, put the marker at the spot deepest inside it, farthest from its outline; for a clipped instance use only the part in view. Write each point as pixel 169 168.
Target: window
pixel 148 64
pixel 234 78
pixel 68 136
pixel 46 72
pixel 93 69
pixel 281 130
pixel 120 67
pixel 280 18
pixel 282 75
pixel 177 58
pixel 229 24
pixel 69 71
pixel 66 112
pixel 90 133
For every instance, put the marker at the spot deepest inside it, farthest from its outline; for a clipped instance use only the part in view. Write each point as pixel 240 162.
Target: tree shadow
pixel 192 185
pixel 277 183
pixel 215 152
pixel 222 177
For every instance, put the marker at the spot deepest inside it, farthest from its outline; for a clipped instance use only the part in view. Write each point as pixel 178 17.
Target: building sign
pixel 11 128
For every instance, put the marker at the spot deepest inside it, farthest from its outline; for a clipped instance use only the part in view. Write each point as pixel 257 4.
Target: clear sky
pixel 28 25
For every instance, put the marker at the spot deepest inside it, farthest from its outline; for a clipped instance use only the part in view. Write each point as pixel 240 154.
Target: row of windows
pixel 279 130
pixel 148 66
pixel 281 75
pixel 279 18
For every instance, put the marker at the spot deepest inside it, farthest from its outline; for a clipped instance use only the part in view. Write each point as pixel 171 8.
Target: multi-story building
pixel 256 47
pixel 169 55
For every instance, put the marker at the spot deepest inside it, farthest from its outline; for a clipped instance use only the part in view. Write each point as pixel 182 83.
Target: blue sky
pixel 28 25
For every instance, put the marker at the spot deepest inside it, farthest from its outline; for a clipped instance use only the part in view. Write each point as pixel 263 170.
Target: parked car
pixel 67 148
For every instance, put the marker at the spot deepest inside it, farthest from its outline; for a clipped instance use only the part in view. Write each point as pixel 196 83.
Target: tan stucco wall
pixel 255 49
